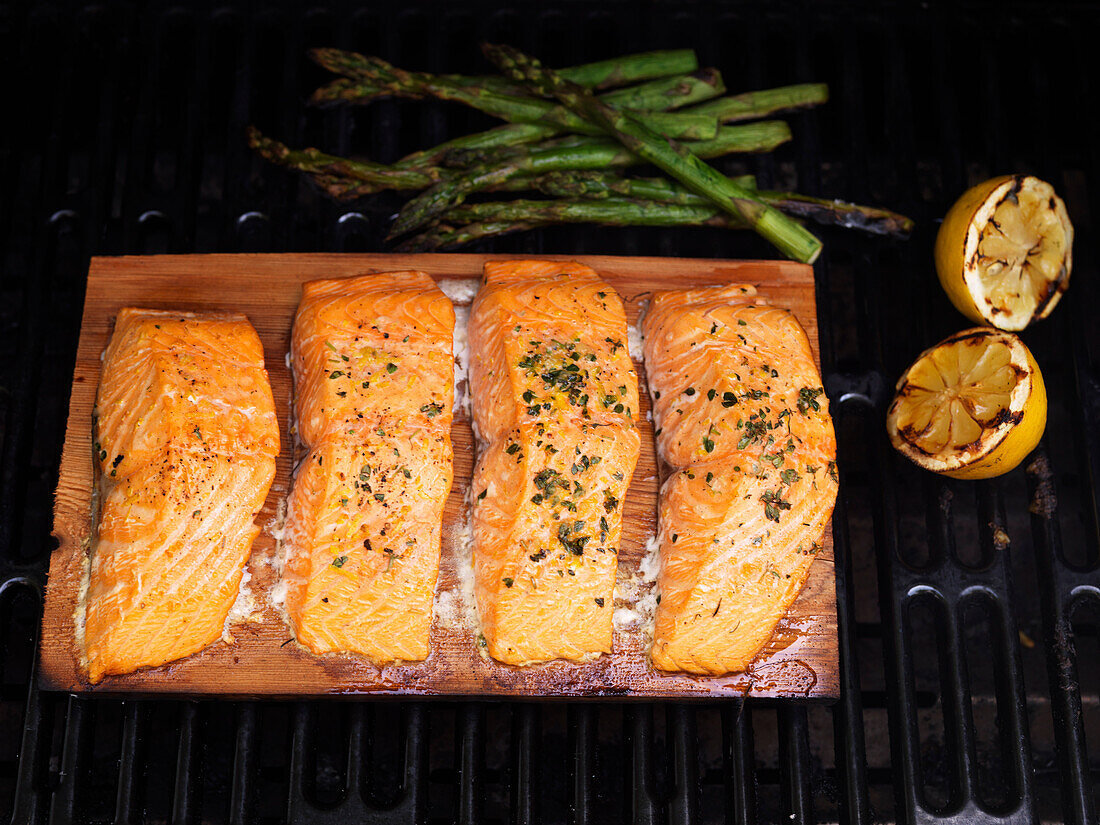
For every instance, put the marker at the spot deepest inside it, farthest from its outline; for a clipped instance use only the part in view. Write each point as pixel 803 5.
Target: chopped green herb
pixel 568 536
pixel 339 561
pixel 807 399
pixel 508 581
pixel 773 503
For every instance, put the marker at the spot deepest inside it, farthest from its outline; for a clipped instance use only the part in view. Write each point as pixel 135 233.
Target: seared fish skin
pixel 185 445
pixel 374 391
pixel 555 398
pixel 743 423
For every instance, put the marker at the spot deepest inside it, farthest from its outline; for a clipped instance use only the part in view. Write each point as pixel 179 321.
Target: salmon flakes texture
pixel 555 404
pixel 185 445
pixel 743 426
pixel 374 391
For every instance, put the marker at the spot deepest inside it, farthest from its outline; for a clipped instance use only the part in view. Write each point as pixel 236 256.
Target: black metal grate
pixel 971 665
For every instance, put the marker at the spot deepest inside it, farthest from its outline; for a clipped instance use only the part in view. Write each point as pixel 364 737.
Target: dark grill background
pixel 971 670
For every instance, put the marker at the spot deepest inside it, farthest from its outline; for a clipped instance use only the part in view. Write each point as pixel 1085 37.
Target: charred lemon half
pixel 973 406
pixel 1005 250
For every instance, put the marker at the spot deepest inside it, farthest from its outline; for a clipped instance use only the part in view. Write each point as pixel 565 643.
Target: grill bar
pixel 1080 806
pixel 244 765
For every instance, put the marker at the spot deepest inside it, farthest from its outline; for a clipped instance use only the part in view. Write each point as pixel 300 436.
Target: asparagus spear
pixel 613 211
pixel 382 78
pixel 667 93
pixel 500 137
pixel 660 95
pixel 622 71
pixel 766 102
pixel 599 185
pixel 471 222
pixel 657 95
pixel 786 235
pixel 345 179
pixel 445 236
pixel 590 154
pixel 341 177
pixel 751 106
pixel 603 74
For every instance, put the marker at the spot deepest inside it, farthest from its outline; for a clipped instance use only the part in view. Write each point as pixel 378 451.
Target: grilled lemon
pixel 1005 251
pixel 973 406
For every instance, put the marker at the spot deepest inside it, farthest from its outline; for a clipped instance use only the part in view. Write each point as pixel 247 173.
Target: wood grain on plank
pixel 801 659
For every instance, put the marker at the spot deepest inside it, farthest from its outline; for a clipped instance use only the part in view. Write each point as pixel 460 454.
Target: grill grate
pixel 970 668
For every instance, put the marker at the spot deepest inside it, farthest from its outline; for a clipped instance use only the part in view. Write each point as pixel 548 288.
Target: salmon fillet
pixel 374 391
pixel 743 425
pixel 185 445
pixel 555 401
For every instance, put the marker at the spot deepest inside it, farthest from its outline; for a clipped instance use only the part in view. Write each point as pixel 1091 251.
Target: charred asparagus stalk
pixel 346 179
pixel 785 234
pixel 445 236
pixel 600 185
pixel 383 79
pixel 343 178
pixel 765 102
pixel 603 74
pixel 615 211
pixel 480 220
pixel 591 154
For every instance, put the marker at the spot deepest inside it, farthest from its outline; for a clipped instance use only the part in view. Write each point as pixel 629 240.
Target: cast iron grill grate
pixel 971 669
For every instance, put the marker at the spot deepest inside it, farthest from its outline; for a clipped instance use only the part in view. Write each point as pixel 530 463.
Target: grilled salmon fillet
pixel 185 445
pixel 555 402
pixel 374 391
pixel 743 425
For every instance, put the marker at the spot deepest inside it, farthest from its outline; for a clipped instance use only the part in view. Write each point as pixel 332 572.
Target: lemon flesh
pixel 973 406
pixel 1005 251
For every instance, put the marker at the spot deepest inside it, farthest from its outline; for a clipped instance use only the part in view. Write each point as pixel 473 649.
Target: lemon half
pixel 1005 251
pixel 973 406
